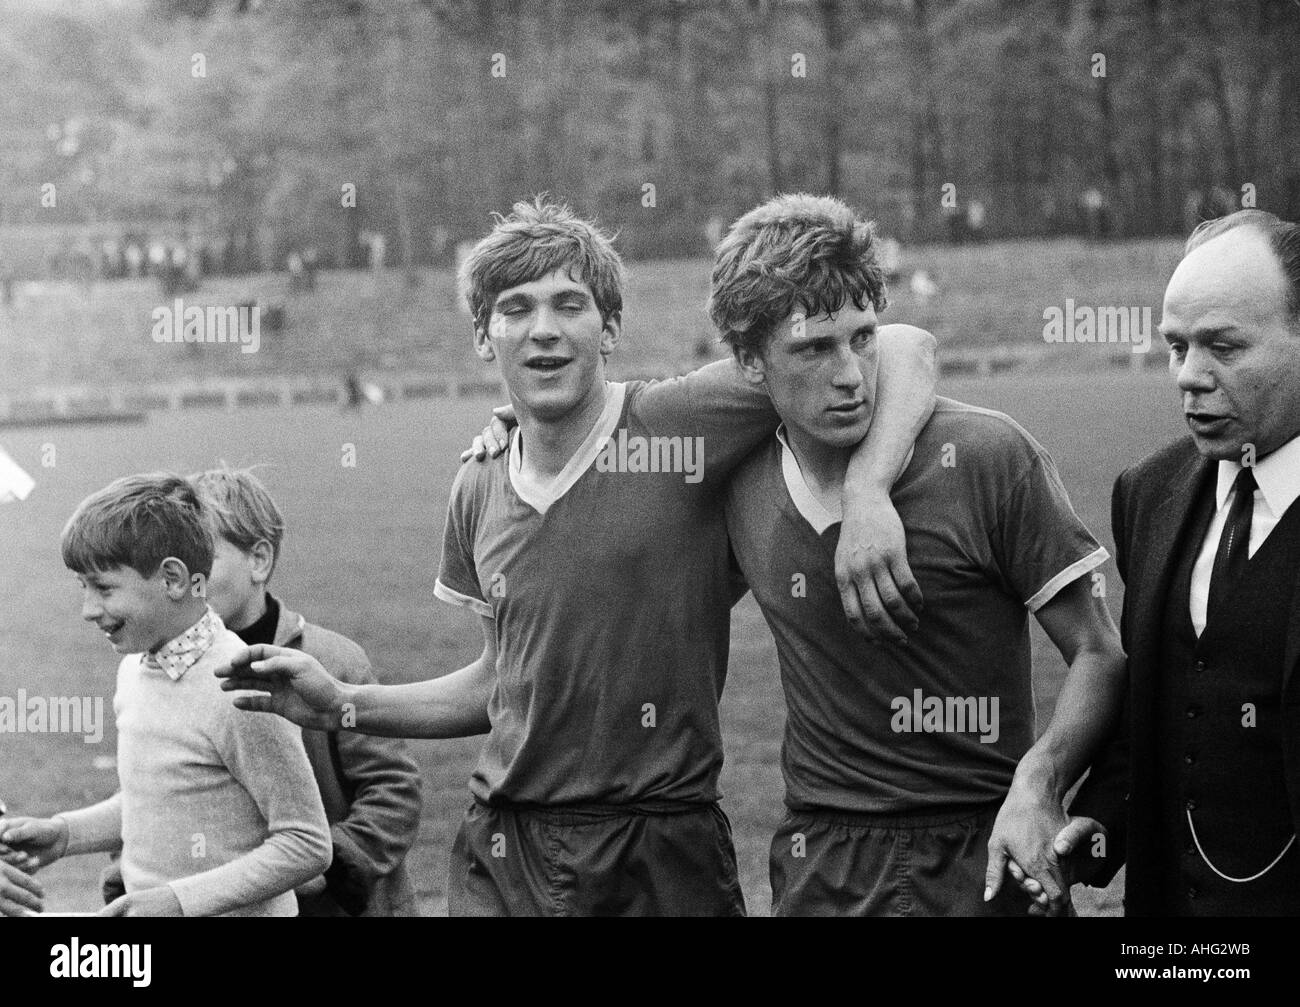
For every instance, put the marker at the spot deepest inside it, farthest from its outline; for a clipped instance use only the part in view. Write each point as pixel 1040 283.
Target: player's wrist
pixel 346 706
pixel 1037 779
pixel 867 487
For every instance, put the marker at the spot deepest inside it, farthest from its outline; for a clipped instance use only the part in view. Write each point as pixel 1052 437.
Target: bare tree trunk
pixel 1262 72
pixel 1227 129
pixel 927 157
pixel 1288 115
pixel 682 98
pixel 1155 218
pixel 771 113
pixel 1106 106
pixel 1219 95
pixel 406 233
pixel 832 35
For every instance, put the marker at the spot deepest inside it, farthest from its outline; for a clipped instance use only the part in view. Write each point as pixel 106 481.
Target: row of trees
pixel 235 116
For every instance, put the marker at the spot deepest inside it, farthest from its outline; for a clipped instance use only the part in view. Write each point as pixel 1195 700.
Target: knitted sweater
pixel 217 803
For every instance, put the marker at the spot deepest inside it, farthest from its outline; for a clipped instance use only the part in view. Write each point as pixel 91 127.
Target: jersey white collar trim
pixel 805 502
pixel 540 494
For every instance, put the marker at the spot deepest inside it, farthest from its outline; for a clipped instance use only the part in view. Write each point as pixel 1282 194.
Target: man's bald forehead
pixel 1241 257
pixel 1281 252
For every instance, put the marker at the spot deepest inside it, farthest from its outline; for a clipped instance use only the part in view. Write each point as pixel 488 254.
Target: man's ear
pixel 261 561
pixel 483 344
pixel 612 333
pixel 751 364
pixel 175 577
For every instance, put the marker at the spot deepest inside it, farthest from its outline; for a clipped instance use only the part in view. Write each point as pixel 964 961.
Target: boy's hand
pixel 495 437
pixel 24 861
pixel 19 894
pixel 33 842
pixel 312 888
pixel 160 901
pixel 290 683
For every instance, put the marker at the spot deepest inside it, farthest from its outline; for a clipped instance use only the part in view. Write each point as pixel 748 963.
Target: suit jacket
pixel 370 788
pixel 1151 507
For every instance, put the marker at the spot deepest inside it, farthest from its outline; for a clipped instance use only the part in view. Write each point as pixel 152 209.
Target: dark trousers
pixel 826 863
pixel 594 861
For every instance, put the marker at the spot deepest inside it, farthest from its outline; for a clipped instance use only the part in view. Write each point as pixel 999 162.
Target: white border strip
pixel 443 592
pixel 1067 576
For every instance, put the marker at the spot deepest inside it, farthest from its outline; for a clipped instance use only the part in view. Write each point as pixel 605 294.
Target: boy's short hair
pixel 535 239
pixel 240 508
pixel 138 521
pixel 795 252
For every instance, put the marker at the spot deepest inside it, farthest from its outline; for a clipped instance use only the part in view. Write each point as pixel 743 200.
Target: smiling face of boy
pixel 135 613
pixel 821 374
pixel 550 340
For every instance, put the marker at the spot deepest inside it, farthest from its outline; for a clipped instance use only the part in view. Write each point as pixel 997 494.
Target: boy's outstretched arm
pixel 20 895
pixel 32 843
pixel 298 688
pixel 93 829
pixel 879 594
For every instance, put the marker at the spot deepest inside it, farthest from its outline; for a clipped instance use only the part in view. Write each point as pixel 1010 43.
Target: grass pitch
pixel 361 555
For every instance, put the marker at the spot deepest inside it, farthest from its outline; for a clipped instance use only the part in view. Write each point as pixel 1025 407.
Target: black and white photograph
pixel 671 458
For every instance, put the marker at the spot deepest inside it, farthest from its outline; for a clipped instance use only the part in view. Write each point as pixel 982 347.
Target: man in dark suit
pixel 1199 790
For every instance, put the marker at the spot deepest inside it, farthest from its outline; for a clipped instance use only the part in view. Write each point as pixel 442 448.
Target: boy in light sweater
pixel 369 785
pixel 218 812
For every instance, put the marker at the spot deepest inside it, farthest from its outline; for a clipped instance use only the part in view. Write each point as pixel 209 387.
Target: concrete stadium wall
pixel 131 403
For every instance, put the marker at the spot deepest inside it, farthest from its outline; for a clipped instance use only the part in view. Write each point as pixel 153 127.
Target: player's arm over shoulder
pixel 984 445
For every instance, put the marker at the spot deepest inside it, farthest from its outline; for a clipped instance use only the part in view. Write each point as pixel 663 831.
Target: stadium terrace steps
pixel 85 404
pixel 131 403
pixel 71 352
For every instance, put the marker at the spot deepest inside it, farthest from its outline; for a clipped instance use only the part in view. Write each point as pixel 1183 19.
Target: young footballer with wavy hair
pixel 896 758
pixel 595 555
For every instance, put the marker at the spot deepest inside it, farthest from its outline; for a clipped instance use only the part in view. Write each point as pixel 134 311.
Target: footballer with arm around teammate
pixel 595 555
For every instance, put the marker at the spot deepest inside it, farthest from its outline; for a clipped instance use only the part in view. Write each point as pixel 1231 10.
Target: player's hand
pixel 879 594
pixel 20 895
pixel 495 437
pixel 160 901
pixel 1076 846
pixel 33 843
pixel 287 682
pixel 1021 845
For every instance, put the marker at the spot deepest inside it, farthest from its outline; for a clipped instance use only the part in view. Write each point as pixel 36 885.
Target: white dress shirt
pixel 1277 479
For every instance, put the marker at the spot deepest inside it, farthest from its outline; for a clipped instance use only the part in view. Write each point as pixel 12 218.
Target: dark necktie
pixel 1234 543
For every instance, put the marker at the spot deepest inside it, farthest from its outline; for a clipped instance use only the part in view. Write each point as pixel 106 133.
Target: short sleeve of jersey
pixel 458 582
pixel 717 404
pixel 1044 546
